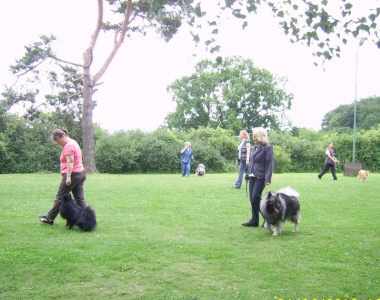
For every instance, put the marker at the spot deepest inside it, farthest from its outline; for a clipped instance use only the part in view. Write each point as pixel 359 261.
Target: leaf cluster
pixel 59 86
pixel 320 23
pixel 230 93
pixel 164 16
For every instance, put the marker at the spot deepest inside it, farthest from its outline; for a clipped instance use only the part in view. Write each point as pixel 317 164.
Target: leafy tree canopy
pixel 368 115
pixel 229 93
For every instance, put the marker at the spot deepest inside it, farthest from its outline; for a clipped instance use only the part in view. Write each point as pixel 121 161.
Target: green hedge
pixel 28 148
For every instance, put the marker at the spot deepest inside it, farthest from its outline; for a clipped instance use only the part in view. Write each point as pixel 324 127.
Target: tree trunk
pixel 87 124
pixel 90 81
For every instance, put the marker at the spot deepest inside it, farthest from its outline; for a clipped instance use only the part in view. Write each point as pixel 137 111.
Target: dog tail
pixel 87 220
pixel 289 191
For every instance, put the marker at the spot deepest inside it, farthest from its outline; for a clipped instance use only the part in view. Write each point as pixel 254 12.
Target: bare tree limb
pixel 65 61
pixel 88 55
pixel 118 42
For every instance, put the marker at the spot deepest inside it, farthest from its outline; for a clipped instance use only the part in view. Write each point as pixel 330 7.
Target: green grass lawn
pixel 168 237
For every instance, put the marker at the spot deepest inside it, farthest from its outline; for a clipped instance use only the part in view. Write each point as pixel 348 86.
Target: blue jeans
pixel 243 168
pixel 186 168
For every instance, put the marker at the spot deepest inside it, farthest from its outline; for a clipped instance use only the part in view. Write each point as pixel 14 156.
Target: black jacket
pixel 261 162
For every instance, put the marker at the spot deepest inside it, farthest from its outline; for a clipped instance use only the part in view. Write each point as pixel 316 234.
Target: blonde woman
pixel 243 157
pixel 259 172
pixel 186 159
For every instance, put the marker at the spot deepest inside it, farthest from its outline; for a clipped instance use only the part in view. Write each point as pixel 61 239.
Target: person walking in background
pixel 186 159
pixel 259 172
pixel 329 162
pixel 73 174
pixel 243 157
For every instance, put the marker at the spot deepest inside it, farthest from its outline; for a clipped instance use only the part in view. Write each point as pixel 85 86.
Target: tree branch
pixel 118 41
pixel 88 55
pixel 65 61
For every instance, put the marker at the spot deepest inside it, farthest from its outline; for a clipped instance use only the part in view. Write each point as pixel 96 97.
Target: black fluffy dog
pixel 84 218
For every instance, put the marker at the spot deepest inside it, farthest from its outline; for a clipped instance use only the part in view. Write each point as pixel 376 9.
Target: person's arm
pixel 331 157
pixel 70 166
pixel 184 149
pixel 248 154
pixel 269 165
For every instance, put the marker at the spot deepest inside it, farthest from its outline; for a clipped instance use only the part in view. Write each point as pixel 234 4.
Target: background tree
pixel 229 93
pixel 167 16
pixel 342 117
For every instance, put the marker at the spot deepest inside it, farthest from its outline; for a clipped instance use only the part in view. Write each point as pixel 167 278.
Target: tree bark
pixel 87 123
pixel 89 83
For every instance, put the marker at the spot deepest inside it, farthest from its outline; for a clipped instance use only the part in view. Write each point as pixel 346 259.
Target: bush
pixel 159 151
pixel 116 153
pixel 282 161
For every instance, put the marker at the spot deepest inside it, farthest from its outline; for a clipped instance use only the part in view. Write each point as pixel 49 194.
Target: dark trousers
pixel 76 187
pixel 326 169
pixel 256 187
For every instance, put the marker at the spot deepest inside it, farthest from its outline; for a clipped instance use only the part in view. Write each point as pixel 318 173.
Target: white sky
pixel 133 95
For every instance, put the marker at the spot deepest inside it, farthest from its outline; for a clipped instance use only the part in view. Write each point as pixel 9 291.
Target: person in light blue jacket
pixel 186 159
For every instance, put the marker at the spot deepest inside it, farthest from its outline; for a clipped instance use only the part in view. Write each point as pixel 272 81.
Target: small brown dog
pixel 363 175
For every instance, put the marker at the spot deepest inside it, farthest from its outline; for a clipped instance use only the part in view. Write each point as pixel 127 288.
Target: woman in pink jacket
pixel 73 174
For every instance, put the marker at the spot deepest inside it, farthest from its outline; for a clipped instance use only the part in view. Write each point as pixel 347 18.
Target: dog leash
pixel 246 188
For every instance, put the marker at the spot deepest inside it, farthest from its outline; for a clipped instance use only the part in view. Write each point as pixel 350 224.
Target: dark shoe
pixel 251 224
pixel 45 220
pixel 319 176
pixel 234 187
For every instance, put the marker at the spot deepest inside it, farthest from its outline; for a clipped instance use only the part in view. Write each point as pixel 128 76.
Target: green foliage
pixel 26 147
pixel 282 160
pixel 306 150
pixel 64 104
pixel 35 54
pixel 318 23
pixel 229 93
pixel 6 162
pixel 368 115
pixel 165 16
pixel 116 153
pixel 159 151
pixel 218 138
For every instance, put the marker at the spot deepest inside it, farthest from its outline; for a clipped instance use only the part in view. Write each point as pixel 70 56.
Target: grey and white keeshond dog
pixel 277 207
pixel 201 170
